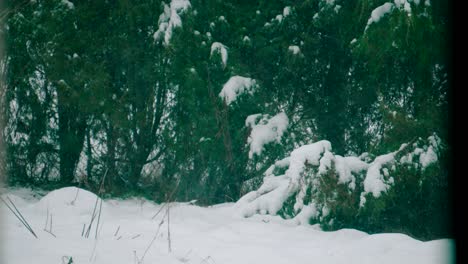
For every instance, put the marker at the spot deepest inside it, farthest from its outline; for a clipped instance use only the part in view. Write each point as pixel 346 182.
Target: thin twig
pixel 185 258
pixel 154 238
pixel 19 216
pixel 76 196
pixel 47 219
pixel 14 206
pixel 167 200
pixel 160 209
pixel 49 223
pixel 93 216
pixel 205 260
pixel 99 218
pixel 93 254
pixel 47 231
pixel 136 236
pixel 117 231
pixel 67 260
pixel 168 230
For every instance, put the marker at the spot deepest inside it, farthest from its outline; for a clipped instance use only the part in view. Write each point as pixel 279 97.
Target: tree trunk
pixel 111 142
pixel 72 130
pixel 136 169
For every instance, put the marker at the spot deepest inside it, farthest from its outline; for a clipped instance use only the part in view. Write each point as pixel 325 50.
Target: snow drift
pixel 198 235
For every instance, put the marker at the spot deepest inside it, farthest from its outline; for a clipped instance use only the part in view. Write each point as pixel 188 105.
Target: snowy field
pixel 129 234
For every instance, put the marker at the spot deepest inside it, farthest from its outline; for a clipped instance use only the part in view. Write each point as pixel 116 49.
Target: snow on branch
pixel 265 130
pixel 388 7
pixel 235 86
pixel 170 19
pixel 301 176
pixel 221 49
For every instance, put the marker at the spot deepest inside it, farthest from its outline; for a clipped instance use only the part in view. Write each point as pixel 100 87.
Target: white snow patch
pixel 170 19
pixel 68 4
pixel 68 199
pixel 435 141
pixel 375 182
pixel 346 166
pixel 286 11
pixel 311 154
pixel 269 198
pixel 423 156
pixel 220 48
pixel 308 212
pixel 403 4
pixel 275 190
pixel 300 157
pixel 428 157
pixel 378 13
pixel 265 131
pixel 278 164
pixel 235 86
pixel 212 234
pixel 251 120
pixel 337 8
pixel 294 49
pixel 279 18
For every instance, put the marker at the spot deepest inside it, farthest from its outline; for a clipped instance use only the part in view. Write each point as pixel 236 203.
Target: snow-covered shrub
pixel 418 195
pixel 313 185
pixel 290 190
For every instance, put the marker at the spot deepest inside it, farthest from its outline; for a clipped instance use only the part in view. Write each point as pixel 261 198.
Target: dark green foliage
pixel 90 92
pixel 287 211
pixel 416 205
pixel 342 203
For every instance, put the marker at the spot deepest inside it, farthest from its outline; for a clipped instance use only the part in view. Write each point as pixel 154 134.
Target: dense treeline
pixel 127 92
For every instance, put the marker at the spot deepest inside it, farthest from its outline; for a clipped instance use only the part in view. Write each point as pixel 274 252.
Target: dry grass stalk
pixel 18 215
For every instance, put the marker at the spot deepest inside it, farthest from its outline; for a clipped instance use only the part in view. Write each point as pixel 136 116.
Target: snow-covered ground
pixel 210 235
